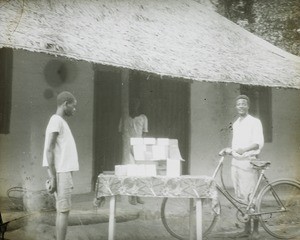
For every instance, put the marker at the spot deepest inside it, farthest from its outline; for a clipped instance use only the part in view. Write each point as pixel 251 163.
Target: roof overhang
pixel 177 38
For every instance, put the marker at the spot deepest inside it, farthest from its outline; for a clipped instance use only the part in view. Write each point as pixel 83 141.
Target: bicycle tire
pixel 175 217
pixel 283 225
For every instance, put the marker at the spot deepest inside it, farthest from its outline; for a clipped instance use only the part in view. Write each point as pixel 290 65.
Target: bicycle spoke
pixel 176 217
pixel 280 208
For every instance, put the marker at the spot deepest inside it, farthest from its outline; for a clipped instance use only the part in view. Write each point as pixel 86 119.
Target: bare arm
pixel 253 146
pixel 239 151
pixel 51 159
pixel 145 127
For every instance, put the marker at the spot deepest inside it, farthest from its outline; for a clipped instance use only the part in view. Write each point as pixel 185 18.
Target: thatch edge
pixel 74 57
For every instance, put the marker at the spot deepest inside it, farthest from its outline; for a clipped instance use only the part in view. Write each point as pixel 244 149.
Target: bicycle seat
pixel 260 164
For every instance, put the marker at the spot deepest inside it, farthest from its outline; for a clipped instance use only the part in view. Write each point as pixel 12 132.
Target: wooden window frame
pixel 6 59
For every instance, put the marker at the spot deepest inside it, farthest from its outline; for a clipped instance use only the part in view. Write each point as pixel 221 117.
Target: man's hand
pixel 51 185
pixel 225 151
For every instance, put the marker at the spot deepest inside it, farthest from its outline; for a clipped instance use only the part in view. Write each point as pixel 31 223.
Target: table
pixel 192 187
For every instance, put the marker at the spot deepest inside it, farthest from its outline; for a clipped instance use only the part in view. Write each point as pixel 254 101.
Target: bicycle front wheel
pixel 175 215
pixel 279 206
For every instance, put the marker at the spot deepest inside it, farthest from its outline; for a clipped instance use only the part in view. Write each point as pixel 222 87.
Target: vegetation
pixel 276 21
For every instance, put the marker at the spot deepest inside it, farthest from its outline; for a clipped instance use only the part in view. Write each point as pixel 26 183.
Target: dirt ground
pixel 90 223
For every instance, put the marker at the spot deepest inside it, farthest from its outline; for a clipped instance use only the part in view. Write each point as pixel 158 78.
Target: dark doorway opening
pixel 107 112
pixel 165 102
pixel 6 62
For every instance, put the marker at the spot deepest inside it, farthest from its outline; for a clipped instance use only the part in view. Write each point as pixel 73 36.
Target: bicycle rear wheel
pixel 279 205
pixel 175 215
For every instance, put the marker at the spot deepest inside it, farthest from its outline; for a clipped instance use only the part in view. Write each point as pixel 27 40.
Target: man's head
pixel 135 103
pixel 134 107
pixel 67 102
pixel 242 104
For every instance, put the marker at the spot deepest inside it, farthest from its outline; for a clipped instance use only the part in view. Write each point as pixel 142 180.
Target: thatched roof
pixel 178 38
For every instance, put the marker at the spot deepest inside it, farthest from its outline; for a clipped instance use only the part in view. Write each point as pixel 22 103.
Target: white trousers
pixel 244 181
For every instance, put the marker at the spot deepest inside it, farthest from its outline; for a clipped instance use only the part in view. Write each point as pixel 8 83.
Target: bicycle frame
pixel 250 211
pixel 264 201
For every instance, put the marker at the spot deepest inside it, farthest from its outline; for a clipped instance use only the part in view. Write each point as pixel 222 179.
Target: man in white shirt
pixel 247 142
pixel 60 156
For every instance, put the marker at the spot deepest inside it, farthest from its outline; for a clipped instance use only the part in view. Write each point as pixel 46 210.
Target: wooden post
pixel 191 220
pixel 125 115
pixel 112 218
pixel 199 218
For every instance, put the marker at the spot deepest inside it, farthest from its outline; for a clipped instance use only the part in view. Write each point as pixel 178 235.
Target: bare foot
pixel 132 200
pixel 242 234
pixel 139 200
pixel 99 202
pixel 254 236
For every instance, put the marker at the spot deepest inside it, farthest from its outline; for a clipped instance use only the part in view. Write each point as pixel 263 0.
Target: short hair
pixel 65 97
pixel 243 97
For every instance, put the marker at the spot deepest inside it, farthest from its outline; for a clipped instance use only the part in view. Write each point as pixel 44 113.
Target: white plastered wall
pixel 21 149
pixel 212 112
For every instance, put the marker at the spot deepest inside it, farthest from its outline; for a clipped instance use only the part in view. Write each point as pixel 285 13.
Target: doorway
pixel 165 102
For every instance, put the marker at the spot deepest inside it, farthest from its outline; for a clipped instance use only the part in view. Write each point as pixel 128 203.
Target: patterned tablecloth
pixel 159 186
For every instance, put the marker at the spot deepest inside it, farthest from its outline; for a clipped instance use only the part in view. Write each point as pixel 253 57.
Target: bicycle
pixel 277 205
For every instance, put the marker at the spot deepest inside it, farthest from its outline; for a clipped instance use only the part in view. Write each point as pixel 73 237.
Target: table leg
pixel 199 218
pixel 191 220
pixel 112 218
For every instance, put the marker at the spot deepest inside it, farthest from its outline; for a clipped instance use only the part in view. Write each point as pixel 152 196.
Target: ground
pixel 90 223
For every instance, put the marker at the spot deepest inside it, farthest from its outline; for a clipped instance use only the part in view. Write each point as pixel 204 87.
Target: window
pixel 260 106
pixel 5 89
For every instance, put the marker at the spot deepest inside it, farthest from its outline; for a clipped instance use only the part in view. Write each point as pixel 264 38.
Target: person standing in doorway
pixel 247 142
pixel 61 158
pixel 137 127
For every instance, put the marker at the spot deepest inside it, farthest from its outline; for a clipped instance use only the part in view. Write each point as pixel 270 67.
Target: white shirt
pixel 137 126
pixel 247 131
pixel 65 151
